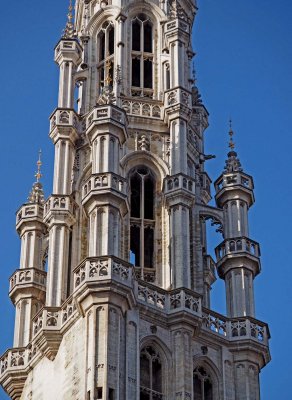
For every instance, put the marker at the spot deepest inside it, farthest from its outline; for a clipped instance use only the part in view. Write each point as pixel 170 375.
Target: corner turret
pixel 237 256
pixel 28 284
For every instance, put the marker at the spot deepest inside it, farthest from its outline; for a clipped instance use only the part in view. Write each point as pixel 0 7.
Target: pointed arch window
pixel 202 384
pixel 142 184
pixel 151 375
pixel 106 50
pixel 142 56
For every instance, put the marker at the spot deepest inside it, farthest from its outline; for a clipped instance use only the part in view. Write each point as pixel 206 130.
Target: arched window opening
pixel 142 219
pixel 151 375
pixel 106 49
pixel 202 383
pixel 142 56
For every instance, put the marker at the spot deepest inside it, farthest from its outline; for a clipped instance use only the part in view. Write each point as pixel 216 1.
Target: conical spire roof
pixel 69 32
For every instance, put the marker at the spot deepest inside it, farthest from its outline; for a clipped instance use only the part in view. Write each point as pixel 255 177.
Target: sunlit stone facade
pixel 112 296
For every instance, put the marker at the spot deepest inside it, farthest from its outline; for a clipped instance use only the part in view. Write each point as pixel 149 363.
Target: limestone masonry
pixel 112 295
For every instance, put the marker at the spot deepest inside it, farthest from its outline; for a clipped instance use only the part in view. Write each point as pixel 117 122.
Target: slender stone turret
pixel 28 284
pixel 238 256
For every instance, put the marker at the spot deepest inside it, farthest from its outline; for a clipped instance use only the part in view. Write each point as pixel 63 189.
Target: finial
pixel 38 174
pixel 36 196
pixel 231 133
pixel 232 164
pixel 69 29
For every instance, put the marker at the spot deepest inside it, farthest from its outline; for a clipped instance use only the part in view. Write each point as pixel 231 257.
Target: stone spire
pixel 36 195
pixel 69 32
pixel 232 164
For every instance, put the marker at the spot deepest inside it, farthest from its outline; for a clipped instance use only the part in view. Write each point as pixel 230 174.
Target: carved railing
pixel 54 318
pixel 178 96
pixel 102 268
pixel 237 245
pixel 148 274
pixel 59 203
pixel 18 358
pixel 29 211
pixel 179 181
pixel 23 277
pixel 177 24
pixel 64 117
pixel 142 108
pixel 100 113
pixel 235 328
pixel 102 181
pixel 169 301
pixel 234 178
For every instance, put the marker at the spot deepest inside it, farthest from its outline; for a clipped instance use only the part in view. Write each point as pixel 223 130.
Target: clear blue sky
pixel 244 57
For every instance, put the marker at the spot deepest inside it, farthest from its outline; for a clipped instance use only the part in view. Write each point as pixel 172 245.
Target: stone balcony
pixel 15 365
pixel 59 207
pixel 177 25
pixel 105 115
pixel 142 108
pixel 94 269
pixel 168 301
pixel 30 280
pixel 29 213
pixel 234 178
pixel 68 50
pixel 231 249
pixel 179 189
pixel 104 181
pixel 49 325
pixel 235 181
pixel 64 117
pixel 101 188
pixel 237 246
pixel 179 182
pixel 235 329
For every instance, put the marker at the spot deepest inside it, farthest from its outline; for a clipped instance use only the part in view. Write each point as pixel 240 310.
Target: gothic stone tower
pixel 112 296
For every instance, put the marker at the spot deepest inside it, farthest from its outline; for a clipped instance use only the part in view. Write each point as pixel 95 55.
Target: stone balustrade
pixel 235 328
pixel 54 318
pixel 232 179
pixel 106 112
pixel 237 246
pixel 148 274
pixel 169 301
pixel 28 211
pixel 179 181
pixel 177 24
pixel 65 117
pixel 142 108
pixel 59 203
pixel 178 96
pixel 95 269
pixel 32 276
pixel 102 181
pixel 17 359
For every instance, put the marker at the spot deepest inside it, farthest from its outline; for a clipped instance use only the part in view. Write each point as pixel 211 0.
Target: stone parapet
pixel 30 281
pixel 103 268
pixel 64 124
pixel 60 209
pixel 111 115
